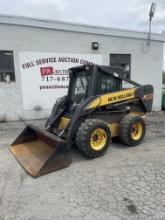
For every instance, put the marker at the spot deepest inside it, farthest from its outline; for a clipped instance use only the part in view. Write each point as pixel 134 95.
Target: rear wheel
pixel 93 137
pixel 132 130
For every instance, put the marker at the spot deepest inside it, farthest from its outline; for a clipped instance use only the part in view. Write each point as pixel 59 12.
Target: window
pixel 122 60
pixel 7 73
pixel 107 83
pixel 79 89
pixel 81 85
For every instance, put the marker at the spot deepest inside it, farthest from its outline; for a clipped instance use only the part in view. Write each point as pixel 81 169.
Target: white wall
pixel 146 63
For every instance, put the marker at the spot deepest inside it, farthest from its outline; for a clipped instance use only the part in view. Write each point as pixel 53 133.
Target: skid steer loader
pixel 96 109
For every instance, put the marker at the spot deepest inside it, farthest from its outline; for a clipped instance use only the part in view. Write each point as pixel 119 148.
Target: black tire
pixel 126 130
pixel 84 135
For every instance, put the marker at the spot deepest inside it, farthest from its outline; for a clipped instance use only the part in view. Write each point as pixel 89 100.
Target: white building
pixel 35 53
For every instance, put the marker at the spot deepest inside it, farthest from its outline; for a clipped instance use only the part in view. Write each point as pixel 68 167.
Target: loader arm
pixel 143 93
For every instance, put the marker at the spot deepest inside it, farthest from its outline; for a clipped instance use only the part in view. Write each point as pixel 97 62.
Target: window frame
pixel 116 82
pixel 72 94
pixel 122 54
pixel 9 72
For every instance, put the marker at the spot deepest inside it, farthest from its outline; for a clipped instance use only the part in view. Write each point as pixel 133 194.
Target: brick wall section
pixel 10 105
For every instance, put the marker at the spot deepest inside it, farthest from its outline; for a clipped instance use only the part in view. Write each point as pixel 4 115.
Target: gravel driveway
pixel 126 183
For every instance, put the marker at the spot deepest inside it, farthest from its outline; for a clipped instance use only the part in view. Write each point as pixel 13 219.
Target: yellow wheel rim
pixel 98 139
pixel 137 131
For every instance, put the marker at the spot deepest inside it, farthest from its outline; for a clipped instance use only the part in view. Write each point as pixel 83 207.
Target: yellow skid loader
pixel 96 109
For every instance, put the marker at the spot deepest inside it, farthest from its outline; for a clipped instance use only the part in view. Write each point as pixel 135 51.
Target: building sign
pixel 45 76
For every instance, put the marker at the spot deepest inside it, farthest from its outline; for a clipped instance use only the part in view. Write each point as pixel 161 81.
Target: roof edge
pixel 75 27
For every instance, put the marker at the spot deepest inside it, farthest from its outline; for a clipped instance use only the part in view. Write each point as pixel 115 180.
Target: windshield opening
pixel 79 87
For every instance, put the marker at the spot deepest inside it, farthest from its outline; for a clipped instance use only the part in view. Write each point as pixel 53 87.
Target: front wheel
pixel 93 137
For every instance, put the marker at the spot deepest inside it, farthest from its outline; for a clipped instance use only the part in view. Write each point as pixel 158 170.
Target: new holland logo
pixel 120 97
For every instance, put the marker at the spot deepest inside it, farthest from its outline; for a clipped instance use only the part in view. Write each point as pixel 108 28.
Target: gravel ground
pixel 126 183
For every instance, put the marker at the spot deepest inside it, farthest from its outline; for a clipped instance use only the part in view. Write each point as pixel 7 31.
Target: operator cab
pixel 86 81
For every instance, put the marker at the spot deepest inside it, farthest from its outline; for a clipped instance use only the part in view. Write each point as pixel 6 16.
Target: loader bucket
pixel 39 152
